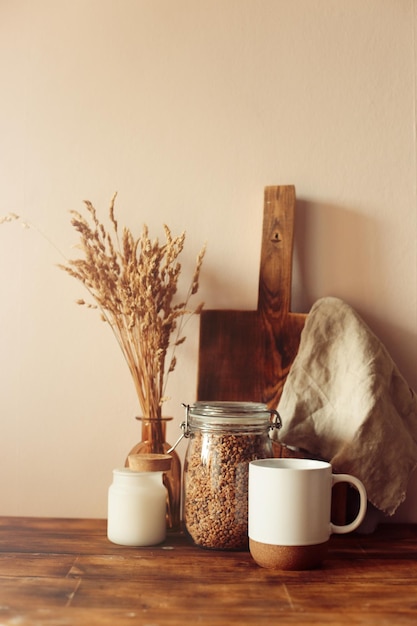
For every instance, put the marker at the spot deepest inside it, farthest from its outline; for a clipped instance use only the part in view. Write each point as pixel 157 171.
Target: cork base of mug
pixel 288 557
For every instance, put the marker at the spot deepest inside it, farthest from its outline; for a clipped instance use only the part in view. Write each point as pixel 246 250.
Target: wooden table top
pixel 66 572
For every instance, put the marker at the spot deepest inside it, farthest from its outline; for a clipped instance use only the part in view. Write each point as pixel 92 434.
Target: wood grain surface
pixel 66 572
pixel 246 355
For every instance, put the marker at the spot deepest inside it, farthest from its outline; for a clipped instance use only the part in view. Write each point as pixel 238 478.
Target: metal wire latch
pixel 184 427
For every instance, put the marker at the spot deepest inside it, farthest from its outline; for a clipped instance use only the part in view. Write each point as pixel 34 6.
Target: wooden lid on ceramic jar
pixel 150 462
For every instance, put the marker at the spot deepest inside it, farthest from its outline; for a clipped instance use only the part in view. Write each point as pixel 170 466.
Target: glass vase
pixel 154 442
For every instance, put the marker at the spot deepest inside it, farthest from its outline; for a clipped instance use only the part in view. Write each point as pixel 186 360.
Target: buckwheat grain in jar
pixel 223 437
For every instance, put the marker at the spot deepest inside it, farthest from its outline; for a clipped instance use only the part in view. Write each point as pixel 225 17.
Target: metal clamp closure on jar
pixel 223 409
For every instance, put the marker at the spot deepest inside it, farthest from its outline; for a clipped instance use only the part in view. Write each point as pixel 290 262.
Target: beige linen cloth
pixel 345 401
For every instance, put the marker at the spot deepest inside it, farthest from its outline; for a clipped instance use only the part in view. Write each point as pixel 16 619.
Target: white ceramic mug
pixel 289 522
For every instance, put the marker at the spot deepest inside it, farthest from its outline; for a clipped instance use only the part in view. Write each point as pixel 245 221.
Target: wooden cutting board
pixel 246 355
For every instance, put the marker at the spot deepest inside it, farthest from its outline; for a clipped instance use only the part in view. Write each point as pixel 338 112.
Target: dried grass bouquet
pixel 133 283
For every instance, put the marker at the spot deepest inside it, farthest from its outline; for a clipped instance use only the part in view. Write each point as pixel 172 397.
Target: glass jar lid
pixel 218 415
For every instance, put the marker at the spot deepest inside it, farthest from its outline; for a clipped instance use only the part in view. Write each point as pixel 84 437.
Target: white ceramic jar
pixel 137 503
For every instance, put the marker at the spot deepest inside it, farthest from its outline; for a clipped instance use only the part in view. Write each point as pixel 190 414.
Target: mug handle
pixel 347 528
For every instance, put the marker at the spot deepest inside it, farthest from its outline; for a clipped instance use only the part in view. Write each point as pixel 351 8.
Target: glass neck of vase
pixel 154 429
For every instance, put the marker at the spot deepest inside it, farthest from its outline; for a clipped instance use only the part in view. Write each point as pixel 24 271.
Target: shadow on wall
pixel 333 250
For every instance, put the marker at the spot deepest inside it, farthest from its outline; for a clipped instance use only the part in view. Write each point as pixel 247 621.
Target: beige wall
pixel 189 108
